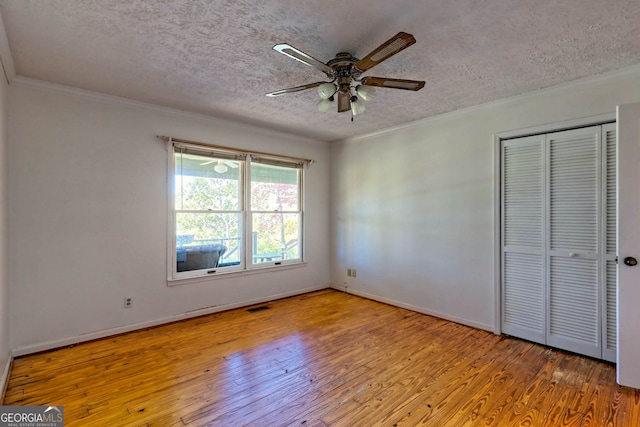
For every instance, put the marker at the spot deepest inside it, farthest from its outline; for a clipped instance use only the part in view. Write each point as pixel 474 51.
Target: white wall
pixel 413 209
pixel 88 216
pixel 5 346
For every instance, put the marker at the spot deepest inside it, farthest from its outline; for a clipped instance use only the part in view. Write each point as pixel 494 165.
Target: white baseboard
pixel 422 310
pixel 49 345
pixel 4 377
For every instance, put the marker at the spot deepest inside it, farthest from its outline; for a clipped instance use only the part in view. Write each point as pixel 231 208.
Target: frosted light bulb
pixel 357 107
pixel 325 90
pixel 367 93
pixel 324 105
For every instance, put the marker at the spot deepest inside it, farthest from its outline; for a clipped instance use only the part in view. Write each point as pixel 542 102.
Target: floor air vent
pixel 254 309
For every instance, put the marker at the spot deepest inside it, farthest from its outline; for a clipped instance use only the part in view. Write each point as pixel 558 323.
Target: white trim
pixel 5 54
pixel 4 378
pixel 101 97
pixel 246 257
pixel 50 345
pixel 171 220
pixel 227 274
pixel 586 81
pixel 559 126
pixel 292 135
pixel 466 322
pixel 497 235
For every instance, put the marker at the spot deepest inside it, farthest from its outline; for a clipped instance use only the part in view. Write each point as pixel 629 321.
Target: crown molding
pixel 112 99
pixel 576 84
pixel 69 90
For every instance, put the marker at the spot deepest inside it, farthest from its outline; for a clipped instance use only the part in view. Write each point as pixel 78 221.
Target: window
pixel 233 211
pixel 275 212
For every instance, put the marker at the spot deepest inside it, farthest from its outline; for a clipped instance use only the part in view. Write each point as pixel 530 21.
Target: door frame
pixel 628 290
pixel 497 191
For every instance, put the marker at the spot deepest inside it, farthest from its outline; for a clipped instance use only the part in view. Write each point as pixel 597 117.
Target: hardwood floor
pixel 321 359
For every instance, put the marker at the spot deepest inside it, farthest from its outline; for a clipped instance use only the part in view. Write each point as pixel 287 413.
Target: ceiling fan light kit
pixel 344 71
pixel 325 104
pixel 327 90
pixel 356 106
pixel 367 93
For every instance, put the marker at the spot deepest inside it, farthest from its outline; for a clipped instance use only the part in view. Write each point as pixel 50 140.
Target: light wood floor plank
pixel 321 359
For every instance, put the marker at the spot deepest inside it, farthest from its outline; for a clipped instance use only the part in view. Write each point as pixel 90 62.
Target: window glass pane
pixel 207 240
pixel 274 188
pixel 275 237
pixel 206 183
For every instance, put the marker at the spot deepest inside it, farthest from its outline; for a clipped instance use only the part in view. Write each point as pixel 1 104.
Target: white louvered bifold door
pixel 559 213
pixel 610 213
pixel 573 199
pixel 523 275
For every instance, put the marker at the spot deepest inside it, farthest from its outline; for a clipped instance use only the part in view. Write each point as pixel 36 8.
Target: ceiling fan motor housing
pixel 342 66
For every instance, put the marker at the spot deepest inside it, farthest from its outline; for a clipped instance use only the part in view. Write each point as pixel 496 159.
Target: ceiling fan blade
pixel 393 83
pixel 208 163
pixel 389 48
pixel 344 102
pixel 295 89
pixel 299 55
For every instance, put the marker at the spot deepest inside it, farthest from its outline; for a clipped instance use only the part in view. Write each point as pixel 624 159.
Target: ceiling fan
pixel 344 71
pixel 221 165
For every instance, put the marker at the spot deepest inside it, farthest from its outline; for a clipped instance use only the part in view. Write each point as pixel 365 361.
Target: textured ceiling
pixel 214 56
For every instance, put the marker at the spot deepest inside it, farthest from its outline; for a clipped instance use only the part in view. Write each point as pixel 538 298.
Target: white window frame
pixel 250 212
pixel 246 216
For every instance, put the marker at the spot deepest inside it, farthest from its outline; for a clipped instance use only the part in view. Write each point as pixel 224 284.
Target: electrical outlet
pixel 128 302
pixel 349 272
pixel 353 272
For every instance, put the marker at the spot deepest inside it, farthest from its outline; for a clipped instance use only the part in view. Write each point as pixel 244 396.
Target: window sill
pixel 236 273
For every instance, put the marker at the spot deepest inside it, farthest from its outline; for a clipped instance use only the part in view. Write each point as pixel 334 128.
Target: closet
pixel 558 238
